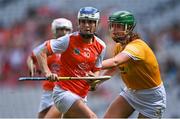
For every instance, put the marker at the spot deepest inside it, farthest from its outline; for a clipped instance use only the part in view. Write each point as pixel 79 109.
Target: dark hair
pixel 134 36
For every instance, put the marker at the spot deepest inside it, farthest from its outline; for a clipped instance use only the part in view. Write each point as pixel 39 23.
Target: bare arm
pixel 93 74
pixel 30 65
pixel 115 61
pixel 92 83
pixel 42 61
pixel 109 72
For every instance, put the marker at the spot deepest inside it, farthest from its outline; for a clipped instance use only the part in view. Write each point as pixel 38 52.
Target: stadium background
pixel 26 23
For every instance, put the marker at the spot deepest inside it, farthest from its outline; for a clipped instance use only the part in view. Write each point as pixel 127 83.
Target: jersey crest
pixel 76 51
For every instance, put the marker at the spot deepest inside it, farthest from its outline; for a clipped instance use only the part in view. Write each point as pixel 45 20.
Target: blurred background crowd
pixel 24 24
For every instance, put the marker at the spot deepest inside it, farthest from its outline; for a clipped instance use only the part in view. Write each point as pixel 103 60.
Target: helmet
pixel 61 23
pixel 88 13
pixel 124 18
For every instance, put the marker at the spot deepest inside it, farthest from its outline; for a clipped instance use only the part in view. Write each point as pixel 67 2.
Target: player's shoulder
pixel 74 34
pixel 100 41
pixel 64 37
pixel 138 41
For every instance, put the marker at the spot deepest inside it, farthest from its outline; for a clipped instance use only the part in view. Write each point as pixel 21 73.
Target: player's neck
pixel 88 40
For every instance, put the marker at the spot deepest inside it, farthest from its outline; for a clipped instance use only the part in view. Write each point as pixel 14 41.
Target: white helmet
pixel 89 13
pixel 61 23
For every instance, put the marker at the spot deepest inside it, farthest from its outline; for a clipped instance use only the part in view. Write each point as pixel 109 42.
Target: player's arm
pixel 42 60
pixel 109 72
pixel 93 74
pixel 30 65
pixel 96 71
pixel 115 61
pixel 41 52
pixel 49 47
pixel 92 83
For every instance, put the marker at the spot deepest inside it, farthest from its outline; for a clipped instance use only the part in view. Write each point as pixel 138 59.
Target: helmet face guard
pixel 121 24
pixel 88 14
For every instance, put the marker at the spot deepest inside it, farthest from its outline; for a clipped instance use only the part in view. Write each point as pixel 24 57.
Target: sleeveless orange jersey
pixel 142 72
pixel 54 63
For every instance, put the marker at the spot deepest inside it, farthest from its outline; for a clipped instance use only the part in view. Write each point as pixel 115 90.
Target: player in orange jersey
pixel 139 69
pixel 60 27
pixel 81 52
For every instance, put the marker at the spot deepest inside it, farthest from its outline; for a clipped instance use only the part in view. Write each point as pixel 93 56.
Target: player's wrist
pixel 47 73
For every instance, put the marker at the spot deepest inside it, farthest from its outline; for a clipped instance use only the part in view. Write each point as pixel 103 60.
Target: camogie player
pixel 81 52
pixel 47 109
pixel 139 69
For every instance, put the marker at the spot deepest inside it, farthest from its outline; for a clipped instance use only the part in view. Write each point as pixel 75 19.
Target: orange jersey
pixel 77 58
pixel 54 63
pixel 142 72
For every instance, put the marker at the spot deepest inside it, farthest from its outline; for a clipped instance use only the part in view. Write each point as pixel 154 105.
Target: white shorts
pixel 64 99
pixel 46 100
pixel 149 102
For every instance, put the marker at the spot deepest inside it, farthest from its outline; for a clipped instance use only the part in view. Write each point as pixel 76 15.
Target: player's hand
pixel 52 77
pixel 91 82
pixel 90 74
pixel 94 85
pixel 31 68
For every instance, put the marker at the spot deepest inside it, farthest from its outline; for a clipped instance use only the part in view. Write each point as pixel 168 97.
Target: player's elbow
pixel 115 63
